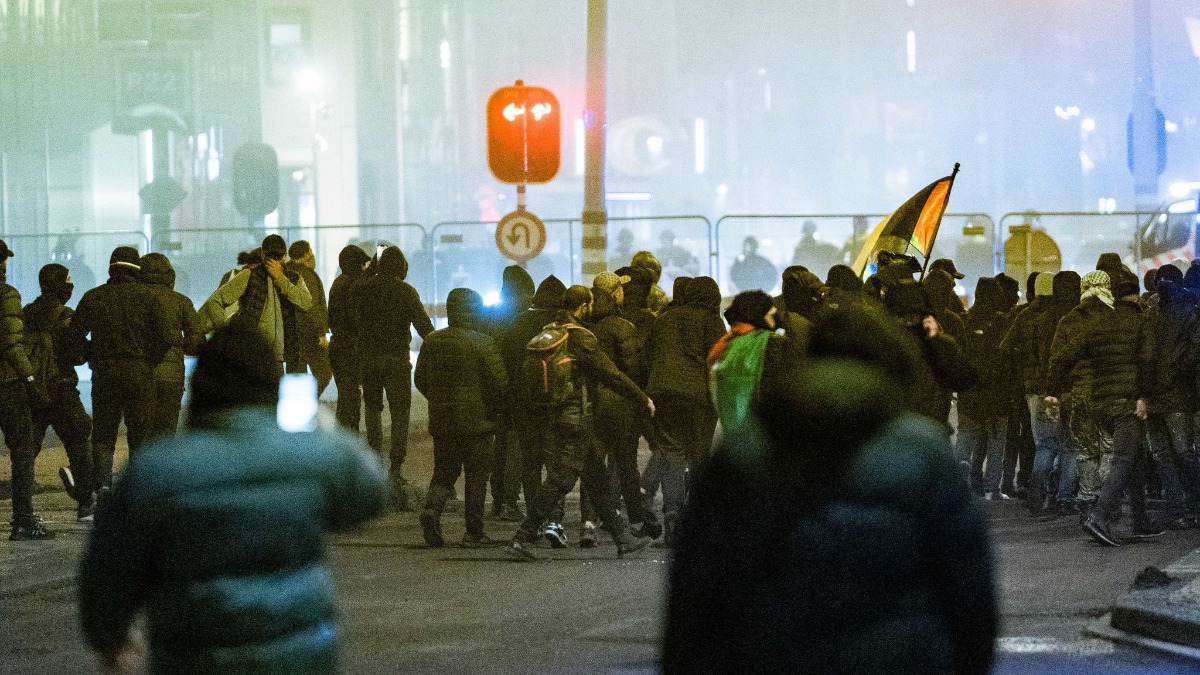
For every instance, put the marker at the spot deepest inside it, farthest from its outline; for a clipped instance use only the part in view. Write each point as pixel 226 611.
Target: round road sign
pixel 520 236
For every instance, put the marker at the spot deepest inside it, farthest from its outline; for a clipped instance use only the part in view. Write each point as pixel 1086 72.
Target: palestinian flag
pixel 911 228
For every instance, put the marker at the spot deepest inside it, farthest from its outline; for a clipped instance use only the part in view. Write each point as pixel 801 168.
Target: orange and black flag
pixel 911 228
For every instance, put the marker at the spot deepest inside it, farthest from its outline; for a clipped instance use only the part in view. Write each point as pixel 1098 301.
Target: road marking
pixel 1036 645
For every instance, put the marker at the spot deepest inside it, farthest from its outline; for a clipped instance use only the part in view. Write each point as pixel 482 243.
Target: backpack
pixel 39 346
pixel 548 370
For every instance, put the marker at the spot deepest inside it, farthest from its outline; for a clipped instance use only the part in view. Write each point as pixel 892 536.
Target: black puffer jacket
pixel 343 321
pixel 516 296
pixel 1064 299
pixel 984 324
pixel 1078 377
pixel 547 302
pixel 1116 348
pixel 50 315
pixel 15 364
pixel 184 324
pixel 676 350
pixel 459 371
pixel 126 321
pixel 387 308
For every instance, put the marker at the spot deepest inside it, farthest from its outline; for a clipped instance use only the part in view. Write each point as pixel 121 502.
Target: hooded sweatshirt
pixel 516 296
pixel 387 308
pixel 342 320
pixel 184 323
pixel 547 302
pixel 984 332
pixel 679 342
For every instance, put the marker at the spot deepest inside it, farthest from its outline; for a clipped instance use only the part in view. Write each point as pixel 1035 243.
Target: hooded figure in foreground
pixel 878 559
pixel 219 534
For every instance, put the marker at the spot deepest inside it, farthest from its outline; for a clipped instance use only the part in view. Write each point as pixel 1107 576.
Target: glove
pixel 36 393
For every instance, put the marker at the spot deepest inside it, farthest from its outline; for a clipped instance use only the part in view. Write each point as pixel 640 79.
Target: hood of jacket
pixel 801 291
pixel 939 287
pixel 516 291
pixel 704 293
pixel 352 258
pixel 637 291
pixel 464 308
pixel 157 270
pixel 844 278
pixel 603 306
pixel 989 297
pixel 549 294
pixel 392 263
pixel 1066 289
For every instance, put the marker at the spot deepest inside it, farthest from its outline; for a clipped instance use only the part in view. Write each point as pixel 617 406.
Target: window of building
pixel 288 41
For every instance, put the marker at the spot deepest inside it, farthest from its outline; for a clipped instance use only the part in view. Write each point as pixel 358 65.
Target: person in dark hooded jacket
pixel 516 296
pixel 801 306
pixel 946 306
pixel 388 309
pixel 676 352
pixel 982 409
pixel 343 342
pixel 459 371
pixel 49 314
pixel 856 506
pixel 130 336
pixel 186 338
pixel 547 302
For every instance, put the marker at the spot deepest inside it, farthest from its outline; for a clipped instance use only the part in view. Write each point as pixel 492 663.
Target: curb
pixel 1164 619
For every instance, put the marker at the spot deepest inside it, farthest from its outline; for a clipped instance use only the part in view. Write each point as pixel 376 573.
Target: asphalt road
pixel 410 609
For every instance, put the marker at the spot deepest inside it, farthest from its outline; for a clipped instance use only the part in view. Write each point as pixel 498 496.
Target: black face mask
pixel 65 292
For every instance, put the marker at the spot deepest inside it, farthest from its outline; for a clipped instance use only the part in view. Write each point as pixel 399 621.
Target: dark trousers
pixel 16 423
pixel 1128 471
pixel 124 390
pixel 506 468
pixel 168 400
pixel 347 374
pixel 390 376
pixel 1170 439
pixel 532 427
pixel 685 433
pixel 314 358
pixel 455 455
pixel 74 428
pixel 572 454
pixel 620 440
pixel 1019 449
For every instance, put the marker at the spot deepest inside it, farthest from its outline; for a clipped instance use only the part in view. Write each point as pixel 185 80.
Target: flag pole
pixel 933 240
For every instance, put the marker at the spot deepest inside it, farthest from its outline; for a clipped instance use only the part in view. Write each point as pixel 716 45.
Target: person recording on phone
pixel 268 297
pixel 218 534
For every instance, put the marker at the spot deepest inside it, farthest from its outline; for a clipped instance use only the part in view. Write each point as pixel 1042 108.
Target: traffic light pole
pixel 160 221
pixel 595 215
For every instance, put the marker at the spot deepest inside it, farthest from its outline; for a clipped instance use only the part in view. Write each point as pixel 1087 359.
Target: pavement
pixel 406 608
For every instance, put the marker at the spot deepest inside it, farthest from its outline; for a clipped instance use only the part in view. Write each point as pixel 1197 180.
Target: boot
pixel 1035 502
pixel 627 543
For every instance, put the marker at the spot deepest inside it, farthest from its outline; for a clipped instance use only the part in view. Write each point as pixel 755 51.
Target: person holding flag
pixel 914 225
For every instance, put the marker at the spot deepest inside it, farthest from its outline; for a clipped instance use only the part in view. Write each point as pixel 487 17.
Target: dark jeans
pixel 1019 450
pixel 685 429
pixel 1050 437
pixel 74 428
pixel 532 427
pixel 347 373
pixel 1127 473
pixel 390 376
pixel 120 390
pixel 573 454
pixel 506 468
pixel 453 456
pixel 620 440
pixel 16 422
pixel 1170 439
pixel 168 400
pixel 982 442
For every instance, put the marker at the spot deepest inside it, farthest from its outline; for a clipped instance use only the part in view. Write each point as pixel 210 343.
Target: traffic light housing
pixel 524 134
pixel 255 180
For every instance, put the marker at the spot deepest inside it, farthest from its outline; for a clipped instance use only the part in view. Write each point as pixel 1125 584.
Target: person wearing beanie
pixel 219 535
pixel 388 309
pixel 186 338
pixel 566 424
pixel 268 297
pixel 312 326
pixel 46 321
pixel 130 336
pixel 460 373
pixel 1073 387
pixel 1117 349
pixel 344 358
pixel 21 394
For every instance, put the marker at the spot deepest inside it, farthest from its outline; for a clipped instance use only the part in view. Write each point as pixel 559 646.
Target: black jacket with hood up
pixel 547 302
pixel 186 334
pixel 676 350
pixel 385 307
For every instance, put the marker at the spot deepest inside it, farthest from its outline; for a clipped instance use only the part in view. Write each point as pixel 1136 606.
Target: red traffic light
pixel 524 135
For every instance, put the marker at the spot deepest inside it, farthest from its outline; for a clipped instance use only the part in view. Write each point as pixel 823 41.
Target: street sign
pixel 161 195
pixel 152 81
pixel 520 236
pixel 524 134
